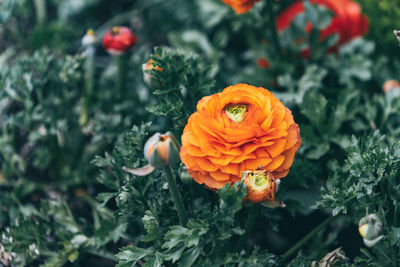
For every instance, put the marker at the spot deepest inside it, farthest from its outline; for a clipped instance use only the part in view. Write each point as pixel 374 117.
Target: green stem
pixel 121 73
pixel 89 70
pixel 176 196
pixel 40 7
pixel 305 239
pixel 275 37
pixel 83 119
pixel 251 218
pixel 102 253
pixel 89 84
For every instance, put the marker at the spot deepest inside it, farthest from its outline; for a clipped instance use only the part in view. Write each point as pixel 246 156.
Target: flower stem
pixel 251 218
pixel 305 239
pixel 102 253
pixel 40 7
pixel 89 84
pixel 121 73
pixel 275 38
pixel 176 196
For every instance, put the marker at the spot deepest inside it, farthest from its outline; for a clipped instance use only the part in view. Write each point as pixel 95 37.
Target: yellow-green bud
pixel 370 228
pixel 89 39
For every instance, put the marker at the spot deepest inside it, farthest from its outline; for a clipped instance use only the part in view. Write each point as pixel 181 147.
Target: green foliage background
pixel 64 197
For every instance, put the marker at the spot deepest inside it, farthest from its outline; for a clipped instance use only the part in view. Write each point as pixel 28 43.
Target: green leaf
pixel 151 224
pixel 190 256
pixel 314 108
pixel 155 261
pixel 133 254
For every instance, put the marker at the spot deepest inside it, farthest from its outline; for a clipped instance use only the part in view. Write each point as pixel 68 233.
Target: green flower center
pixel 260 180
pixel 236 112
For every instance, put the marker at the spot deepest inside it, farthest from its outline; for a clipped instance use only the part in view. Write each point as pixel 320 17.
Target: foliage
pixel 65 198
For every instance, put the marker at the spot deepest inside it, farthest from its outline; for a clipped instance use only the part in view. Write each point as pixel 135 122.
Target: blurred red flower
pixel 347 21
pixel 118 40
pixel 263 63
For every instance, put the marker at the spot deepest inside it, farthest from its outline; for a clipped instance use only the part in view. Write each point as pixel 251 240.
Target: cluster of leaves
pixel 368 181
pixel 182 79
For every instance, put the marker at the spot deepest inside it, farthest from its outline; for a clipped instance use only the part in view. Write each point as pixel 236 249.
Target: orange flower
pixel 261 186
pixel 243 128
pixel 240 6
pixel 390 84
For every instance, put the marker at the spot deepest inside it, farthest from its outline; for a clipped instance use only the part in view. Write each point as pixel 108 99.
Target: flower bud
pixel 184 175
pixel 161 150
pixel 261 186
pixel 147 67
pixel 389 85
pixel 263 63
pixel 370 228
pixel 89 39
pixel 119 40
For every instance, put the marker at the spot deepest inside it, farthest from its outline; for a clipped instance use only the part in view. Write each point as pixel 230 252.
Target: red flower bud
pixel 263 63
pixel 119 40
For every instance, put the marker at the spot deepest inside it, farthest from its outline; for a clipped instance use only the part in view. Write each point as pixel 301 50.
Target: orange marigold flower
pixel 390 84
pixel 261 186
pixel 243 128
pixel 240 6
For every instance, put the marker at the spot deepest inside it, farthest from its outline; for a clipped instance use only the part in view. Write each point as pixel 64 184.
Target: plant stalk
pixel 89 84
pixel 102 253
pixel 40 7
pixel 275 37
pixel 305 239
pixel 248 227
pixel 176 196
pixel 121 73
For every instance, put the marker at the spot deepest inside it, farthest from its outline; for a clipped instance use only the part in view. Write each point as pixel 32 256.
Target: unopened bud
pixel 184 175
pixel 89 39
pixel 370 228
pixel 263 63
pixel 161 150
pixel 119 40
pixel 390 85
